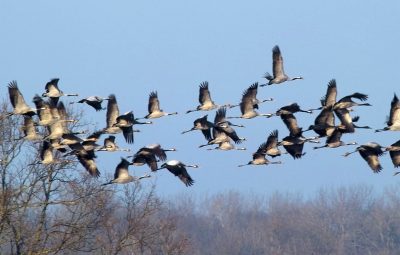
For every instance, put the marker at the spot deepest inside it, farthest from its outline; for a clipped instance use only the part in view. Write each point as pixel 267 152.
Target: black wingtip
pixel 254 85
pixel 276 49
pixel 189 182
pixel 395 99
pixel 153 94
pixel 268 76
pixel 377 169
pixel 274 133
pixel 204 85
pixel 53 81
pixel 332 83
pixel 13 84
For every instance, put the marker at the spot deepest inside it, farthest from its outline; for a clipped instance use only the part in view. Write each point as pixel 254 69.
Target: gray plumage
pixel 249 103
pixel 394 151
pixel 278 72
pixel 122 176
pixel 393 122
pixel 53 92
pixel 347 102
pixel 203 125
pixel 154 107
pixel 206 103
pixel 370 153
pixel 259 157
pixel 110 145
pixel 18 102
pixel 93 101
pixel 178 169
pixel 333 141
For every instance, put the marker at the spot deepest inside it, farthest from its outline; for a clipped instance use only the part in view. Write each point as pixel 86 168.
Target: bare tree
pixel 59 209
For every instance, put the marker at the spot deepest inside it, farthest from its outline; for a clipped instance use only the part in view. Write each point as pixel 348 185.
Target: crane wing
pixel 277 62
pixel 46 152
pixel 372 160
pixel 128 134
pixel 272 140
pixel 291 123
pixel 395 156
pixel 121 171
pixel 220 115
pixel 89 164
pixel 325 117
pixel 335 136
pixel 204 93
pixel 16 98
pixel 296 150
pixel 331 93
pixel 394 116
pixel 345 119
pixel 183 175
pixel 250 93
pixel 154 103
pixel 43 109
pixel 112 111
pixel 52 86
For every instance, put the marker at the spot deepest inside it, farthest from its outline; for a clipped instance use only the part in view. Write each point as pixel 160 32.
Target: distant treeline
pixel 351 220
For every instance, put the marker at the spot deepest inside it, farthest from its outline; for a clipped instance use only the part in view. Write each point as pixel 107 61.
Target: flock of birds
pixel 53 117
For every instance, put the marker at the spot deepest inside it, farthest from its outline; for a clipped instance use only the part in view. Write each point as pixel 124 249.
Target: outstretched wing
pixel 16 98
pixel 154 103
pixel 325 117
pixel 183 175
pixel 112 111
pixel 335 136
pixel 395 156
pixel 220 115
pixel 249 98
pixel 394 111
pixel 331 93
pixel 89 164
pixel 128 134
pixel 52 86
pixel 272 140
pixel 122 169
pixel 372 160
pixel 296 150
pixel 345 119
pixel 204 93
pixel 277 62
pixel 291 123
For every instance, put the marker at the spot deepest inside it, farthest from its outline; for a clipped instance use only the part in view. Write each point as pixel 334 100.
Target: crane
pixel 53 92
pixel 93 101
pixel 18 102
pixel 370 153
pixel 154 107
pixel 206 103
pixel 249 103
pixel 259 157
pixel 333 141
pixel 178 169
pixel 122 176
pixel 278 74
pixel 110 145
pixel 393 122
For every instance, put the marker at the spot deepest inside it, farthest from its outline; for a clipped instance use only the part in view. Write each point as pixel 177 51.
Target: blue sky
pixel 131 48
